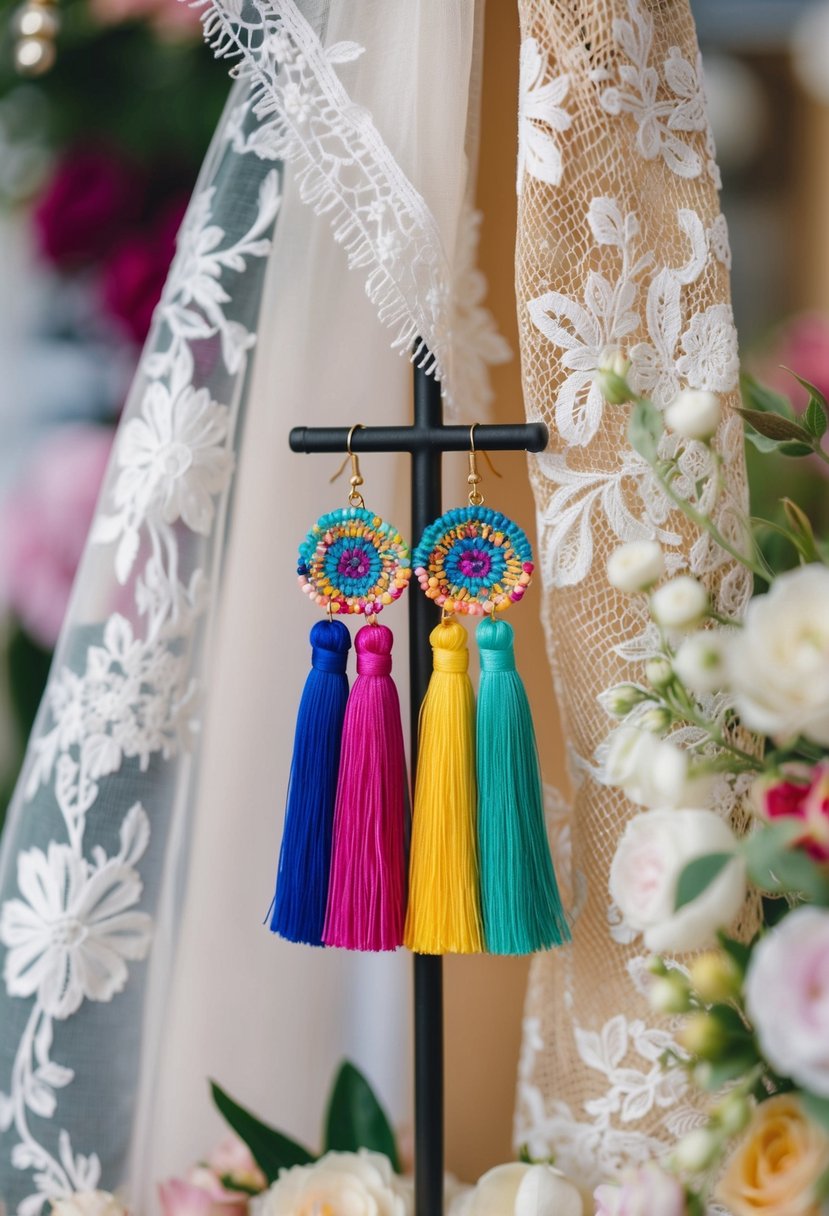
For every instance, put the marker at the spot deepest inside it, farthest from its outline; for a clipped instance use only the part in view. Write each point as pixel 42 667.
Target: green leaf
pixel 272 1151
pixel 761 443
pixel 816 1108
pixel 774 865
pixel 720 1072
pixel 698 876
pixel 738 952
pixel 796 449
pixel 810 388
pixel 802 534
pixel 645 430
pixel 814 418
pixel 772 426
pixel 355 1118
pixel 758 397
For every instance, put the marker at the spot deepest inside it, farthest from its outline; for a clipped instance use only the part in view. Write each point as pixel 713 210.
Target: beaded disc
pixel 353 561
pixel 473 560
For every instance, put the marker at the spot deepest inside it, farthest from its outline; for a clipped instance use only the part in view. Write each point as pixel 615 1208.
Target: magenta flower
pixel 136 270
pixel 93 198
pixel 43 526
pixel 806 799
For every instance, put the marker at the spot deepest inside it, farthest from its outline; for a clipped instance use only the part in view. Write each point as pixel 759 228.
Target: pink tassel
pixel 367 890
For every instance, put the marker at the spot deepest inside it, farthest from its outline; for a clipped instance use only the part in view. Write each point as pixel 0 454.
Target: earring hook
pixel 355 498
pixel 474 479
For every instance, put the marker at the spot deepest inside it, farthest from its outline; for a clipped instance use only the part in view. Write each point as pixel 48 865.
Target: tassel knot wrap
pixel 444 913
pixel 305 857
pixel 520 901
pixel 367 891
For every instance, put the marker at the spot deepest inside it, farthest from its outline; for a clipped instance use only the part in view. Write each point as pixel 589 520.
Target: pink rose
pixel 200 1194
pixel 93 197
pixel 44 523
pixel 787 997
pixel 646 1191
pixel 233 1159
pixel 807 800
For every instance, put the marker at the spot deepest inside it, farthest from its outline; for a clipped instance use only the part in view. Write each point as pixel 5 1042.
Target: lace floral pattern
pixel 541 112
pixel 346 172
pixel 76 923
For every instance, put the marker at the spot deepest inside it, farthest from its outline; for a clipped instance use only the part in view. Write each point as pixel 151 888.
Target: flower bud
pixel 613 388
pixel 697 1150
pixel 694 414
pixel 733 1113
pixel 680 604
pixel 669 993
pixel 656 965
pixel 613 359
pixel 703 1035
pixel 659 672
pixel 656 720
pixel 700 662
pixel 715 977
pixel 636 566
pixel 619 701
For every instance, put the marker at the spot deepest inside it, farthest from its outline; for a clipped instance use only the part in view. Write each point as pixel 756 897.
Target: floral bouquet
pixel 741 704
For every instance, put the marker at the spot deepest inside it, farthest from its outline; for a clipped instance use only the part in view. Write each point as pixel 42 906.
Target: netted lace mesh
pixel 613 125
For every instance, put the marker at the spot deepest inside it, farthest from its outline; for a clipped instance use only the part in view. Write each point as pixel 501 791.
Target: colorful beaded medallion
pixel 353 561
pixel 474 560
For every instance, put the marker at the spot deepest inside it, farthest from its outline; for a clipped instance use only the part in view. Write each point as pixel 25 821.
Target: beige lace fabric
pixel 621 244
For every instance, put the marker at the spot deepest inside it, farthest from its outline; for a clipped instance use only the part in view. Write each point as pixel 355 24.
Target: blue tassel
pixel 519 895
pixel 305 856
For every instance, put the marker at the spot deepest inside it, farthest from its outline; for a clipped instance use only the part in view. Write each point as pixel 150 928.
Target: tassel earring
pixel 366 903
pixel 477 562
pixel 350 562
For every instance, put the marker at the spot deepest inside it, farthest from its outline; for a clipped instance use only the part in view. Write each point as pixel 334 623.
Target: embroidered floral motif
pixel 584 330
pixel 70 937
pixel 540 114
pixel 664 107
pixel 711 360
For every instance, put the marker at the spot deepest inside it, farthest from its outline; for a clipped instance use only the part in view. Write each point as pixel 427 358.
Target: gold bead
pixel 36 21
pixel 34 56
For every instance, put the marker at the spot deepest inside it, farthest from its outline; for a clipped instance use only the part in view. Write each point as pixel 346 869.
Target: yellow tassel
pixel 444 915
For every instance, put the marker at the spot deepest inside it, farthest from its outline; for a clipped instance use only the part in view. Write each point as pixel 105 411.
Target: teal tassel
pixel 519 895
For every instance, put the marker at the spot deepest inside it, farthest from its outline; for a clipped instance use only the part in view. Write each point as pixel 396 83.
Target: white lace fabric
pixel 108 807
pixel 621 245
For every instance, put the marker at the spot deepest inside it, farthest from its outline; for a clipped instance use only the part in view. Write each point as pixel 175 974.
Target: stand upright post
pixel 428 969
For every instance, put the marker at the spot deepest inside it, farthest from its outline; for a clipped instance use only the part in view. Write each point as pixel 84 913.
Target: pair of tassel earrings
pixel 479 875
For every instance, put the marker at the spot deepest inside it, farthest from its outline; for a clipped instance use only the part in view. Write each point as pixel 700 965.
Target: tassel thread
pixel 305 856
pixel 367 891
pixel 444 913
pixel 520 900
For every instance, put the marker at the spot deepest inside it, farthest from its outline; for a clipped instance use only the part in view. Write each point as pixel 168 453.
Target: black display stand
pixel 427 439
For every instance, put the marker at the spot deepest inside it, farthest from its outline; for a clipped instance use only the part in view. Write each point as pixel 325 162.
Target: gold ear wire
pixel 355 498
pixel 474 479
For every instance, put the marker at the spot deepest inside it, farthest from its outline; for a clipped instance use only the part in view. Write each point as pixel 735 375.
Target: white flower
pixel 651 771
pixel 700 662
pixel 518 1189
pixel 697 1150
pixel 779 662
pixel 174 459
pixel 694 413
pixel 636 565
pixel 680 604
pixel 89 1203
pixel 69 937
pixel 787 997
pixel 339 1184
pixel 711 360
pixel 654 849
pixel 540 112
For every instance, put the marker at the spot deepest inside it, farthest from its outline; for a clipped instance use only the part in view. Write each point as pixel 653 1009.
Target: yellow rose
pixel 775 1168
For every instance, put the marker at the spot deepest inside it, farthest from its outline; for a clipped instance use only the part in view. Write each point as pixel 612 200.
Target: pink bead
pixel 528 567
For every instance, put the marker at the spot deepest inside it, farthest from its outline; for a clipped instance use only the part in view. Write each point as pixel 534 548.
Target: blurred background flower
pixel 97 161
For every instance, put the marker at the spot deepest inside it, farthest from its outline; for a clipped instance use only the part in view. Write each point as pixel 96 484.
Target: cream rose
pixel 680 604
pixel 787 997
pixel 774 1170
pixel 779 662
pixel 518 1189
pixel 89 1203
pixel 339 1184
pixel 636 565
pixel 653 850
pixel 694 413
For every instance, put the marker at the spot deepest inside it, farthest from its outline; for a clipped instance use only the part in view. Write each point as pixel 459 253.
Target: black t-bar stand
pixel 426 440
